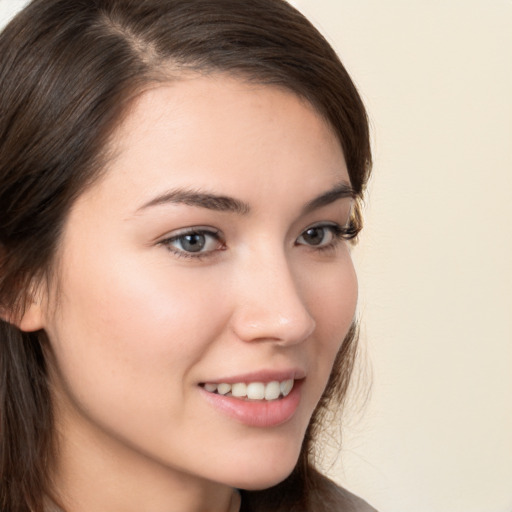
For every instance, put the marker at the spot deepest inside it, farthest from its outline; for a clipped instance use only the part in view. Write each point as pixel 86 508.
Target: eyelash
pixel 338 232
pixel 196 231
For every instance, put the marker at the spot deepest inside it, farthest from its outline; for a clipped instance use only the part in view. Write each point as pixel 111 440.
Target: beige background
pixel 435 259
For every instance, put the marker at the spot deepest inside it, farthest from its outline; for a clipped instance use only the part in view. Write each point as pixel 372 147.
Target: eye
pixel 322 235
pixel 194 242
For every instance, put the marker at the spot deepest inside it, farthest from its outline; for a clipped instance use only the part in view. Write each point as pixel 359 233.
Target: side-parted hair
pixel 69 72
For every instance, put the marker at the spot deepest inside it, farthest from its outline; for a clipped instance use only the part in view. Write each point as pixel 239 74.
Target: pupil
pixel 193 243
pixel 314 236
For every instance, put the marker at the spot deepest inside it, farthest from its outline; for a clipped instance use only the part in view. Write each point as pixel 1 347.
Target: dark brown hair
pixel 68 72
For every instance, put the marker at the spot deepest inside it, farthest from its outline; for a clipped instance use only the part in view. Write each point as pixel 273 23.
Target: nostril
pixel 268 304
pixel 273 324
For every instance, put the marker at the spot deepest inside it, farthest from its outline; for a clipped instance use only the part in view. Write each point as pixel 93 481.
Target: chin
pixel 262 481
pixel 255 477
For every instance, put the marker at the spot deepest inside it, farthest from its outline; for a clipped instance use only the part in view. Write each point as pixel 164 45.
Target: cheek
pixel 333 302
pixel 125 339
pixel 135 306
pixel 333 293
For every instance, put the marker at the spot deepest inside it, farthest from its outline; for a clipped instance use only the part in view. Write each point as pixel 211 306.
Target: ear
pixel 30 319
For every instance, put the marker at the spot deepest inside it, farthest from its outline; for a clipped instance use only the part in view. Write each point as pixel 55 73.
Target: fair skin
pixel 146 319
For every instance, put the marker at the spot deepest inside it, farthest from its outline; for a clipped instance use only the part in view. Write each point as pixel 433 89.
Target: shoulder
pixel 304 492
pixel 335 498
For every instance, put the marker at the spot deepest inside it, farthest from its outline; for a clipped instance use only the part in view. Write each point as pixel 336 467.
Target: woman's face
pixel 207 262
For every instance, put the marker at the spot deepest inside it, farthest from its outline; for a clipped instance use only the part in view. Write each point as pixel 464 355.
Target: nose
pixel 270 305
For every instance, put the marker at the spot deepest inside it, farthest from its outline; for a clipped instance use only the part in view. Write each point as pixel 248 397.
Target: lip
pixel 257 413
pixel 264 376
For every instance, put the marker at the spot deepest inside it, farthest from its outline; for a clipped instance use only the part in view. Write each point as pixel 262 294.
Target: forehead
pixel 225 133
pixel 223 99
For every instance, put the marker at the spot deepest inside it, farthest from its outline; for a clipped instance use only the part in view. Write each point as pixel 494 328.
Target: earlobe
pixel 32 318
pixel 29 319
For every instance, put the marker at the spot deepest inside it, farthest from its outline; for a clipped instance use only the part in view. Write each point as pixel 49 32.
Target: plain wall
pixel 434 260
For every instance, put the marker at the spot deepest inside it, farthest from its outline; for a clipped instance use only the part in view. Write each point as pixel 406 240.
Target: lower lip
pixel 257 413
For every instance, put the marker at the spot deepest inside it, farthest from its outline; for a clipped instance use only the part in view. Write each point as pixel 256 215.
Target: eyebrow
pixel 203 200
pixel 341 191
pixel 222 203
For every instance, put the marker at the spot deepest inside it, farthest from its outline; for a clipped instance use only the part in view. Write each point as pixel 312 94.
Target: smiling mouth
pixel 273 390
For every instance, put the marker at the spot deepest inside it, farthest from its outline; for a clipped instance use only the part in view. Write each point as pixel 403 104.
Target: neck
pixel 234 506
pixel 91 475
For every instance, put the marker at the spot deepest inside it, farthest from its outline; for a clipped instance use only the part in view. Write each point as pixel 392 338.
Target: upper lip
pixel 261 376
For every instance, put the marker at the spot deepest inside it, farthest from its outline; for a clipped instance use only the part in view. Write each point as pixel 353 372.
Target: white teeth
pixel 223 389
pixel 252 390
pixel 286 387
pixel 256 391
pixel 272 391
pixel 239 389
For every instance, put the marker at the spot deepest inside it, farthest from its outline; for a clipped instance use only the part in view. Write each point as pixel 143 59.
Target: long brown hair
pixel 68 71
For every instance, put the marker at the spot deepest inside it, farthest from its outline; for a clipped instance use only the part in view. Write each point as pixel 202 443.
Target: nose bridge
pixel 270 304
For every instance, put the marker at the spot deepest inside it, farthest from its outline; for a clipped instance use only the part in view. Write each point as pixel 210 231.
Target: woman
pixel 179 183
